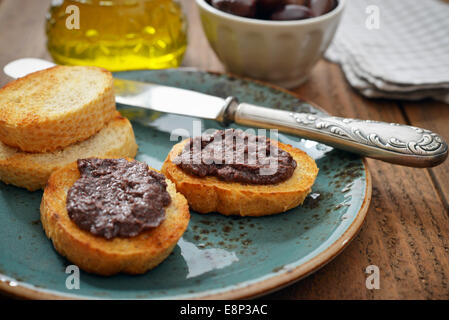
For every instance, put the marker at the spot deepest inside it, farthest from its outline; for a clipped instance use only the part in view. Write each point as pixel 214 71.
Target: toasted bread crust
pixel 32 170
pixel 209 194
pixel 54 108
pixel 106 257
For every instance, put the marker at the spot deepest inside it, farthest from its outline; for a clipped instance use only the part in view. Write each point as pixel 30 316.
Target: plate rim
pixel 301 271
pixel 255 289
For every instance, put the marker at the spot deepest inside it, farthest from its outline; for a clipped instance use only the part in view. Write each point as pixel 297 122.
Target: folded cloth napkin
pixel 395 49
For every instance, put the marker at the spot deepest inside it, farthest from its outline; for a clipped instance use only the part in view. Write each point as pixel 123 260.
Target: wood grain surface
pixel 406 233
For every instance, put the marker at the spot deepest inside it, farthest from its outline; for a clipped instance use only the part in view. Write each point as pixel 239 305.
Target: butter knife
pixel 390 142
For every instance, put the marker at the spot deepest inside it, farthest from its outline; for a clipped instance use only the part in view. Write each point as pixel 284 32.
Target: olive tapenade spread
pixel 236 156
pixel 117 197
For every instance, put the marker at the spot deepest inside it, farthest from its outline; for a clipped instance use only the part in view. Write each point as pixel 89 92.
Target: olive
pixel 275 9
pixel 269 5
pixel 298 2
pixel 320 7
pixel 243 8
pixel 266 7
pixel 291 12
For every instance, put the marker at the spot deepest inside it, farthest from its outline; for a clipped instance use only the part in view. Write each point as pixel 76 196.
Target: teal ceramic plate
pixel 218 257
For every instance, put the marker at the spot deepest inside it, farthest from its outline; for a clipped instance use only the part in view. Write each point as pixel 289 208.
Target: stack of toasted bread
pixel 53 117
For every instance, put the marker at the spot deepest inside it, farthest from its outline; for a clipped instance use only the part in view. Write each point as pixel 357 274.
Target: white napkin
pixel 404 54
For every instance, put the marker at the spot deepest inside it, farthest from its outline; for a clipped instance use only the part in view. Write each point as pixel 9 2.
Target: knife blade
pixel 394 143
pixel 167 99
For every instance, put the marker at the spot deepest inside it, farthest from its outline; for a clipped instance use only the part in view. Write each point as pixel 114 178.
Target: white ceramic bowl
pixel 280 52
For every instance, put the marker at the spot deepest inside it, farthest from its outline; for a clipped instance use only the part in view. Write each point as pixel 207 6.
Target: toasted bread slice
pixel 97 254
pixel 209 194
pixel 56 107
pixel 32 170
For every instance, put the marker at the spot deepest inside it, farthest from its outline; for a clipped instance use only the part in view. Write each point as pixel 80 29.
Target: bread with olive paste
pixel 54 108
pixel 209 194
pixel 32 170
pixel 96 254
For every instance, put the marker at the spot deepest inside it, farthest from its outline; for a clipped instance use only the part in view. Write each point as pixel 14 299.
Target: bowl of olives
pixel 277 41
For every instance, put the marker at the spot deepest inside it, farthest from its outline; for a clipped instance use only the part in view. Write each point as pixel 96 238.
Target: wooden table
pixel 406 233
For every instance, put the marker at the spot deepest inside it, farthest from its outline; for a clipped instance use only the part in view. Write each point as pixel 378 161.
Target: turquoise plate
pixel 218 256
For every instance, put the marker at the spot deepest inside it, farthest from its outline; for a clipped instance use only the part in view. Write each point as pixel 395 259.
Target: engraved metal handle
pixel 391 142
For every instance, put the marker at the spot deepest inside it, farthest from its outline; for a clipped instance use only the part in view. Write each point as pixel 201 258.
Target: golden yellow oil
pixel 117 34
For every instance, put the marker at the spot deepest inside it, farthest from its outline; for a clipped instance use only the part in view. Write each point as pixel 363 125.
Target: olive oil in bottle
pixel 117 34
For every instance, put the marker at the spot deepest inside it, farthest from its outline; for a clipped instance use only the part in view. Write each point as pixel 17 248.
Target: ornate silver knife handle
pixel 391 142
